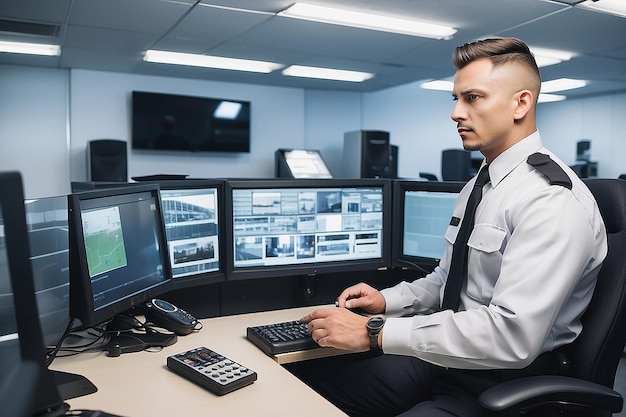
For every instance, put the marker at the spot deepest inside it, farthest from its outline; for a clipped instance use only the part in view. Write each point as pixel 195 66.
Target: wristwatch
pixel 374 326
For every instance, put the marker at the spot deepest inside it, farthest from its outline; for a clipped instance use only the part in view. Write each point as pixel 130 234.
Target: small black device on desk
pixel 289 336
pixel 211 370
pixel 167 315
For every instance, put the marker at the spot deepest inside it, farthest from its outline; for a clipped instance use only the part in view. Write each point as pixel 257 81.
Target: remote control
pixel 211 370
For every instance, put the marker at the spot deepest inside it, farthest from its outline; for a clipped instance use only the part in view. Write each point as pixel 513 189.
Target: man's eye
pixel 472 97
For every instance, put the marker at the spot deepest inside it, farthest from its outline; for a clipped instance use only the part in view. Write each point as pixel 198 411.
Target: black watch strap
pixel 374 326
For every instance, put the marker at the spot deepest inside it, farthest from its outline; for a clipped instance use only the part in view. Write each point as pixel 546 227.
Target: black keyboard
pixel 283 337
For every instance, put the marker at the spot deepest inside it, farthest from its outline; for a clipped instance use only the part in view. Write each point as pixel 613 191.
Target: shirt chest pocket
pixel 486 245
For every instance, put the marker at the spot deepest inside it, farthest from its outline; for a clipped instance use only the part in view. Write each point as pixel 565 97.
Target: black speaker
pixel 106 160
pixel 366 154
pixel 456 165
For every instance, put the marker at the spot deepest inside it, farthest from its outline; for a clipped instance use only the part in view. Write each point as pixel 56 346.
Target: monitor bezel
pixel 399 259
pixel 309 269
pixel 33 387
pixel 203 278
pixel 81 291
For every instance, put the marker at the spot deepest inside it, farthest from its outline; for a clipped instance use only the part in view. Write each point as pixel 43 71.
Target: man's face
pixel 486 99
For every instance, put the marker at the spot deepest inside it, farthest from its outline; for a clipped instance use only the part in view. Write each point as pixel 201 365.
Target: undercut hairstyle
pixel 499 50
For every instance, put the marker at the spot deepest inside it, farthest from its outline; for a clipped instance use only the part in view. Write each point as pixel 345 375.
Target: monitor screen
pixel 192 213
pixel 422 213
pixel 47 224
pixel 306 227
pixel 118 251
pixel 303 163
pixel 167 122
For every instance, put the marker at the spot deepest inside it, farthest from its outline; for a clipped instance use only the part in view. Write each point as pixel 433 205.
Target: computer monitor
pixel 422 211
pixel 307 227
pixel 300 163
pixel 118 251
pixel 26 387
pixel 46 220
pixel 193 213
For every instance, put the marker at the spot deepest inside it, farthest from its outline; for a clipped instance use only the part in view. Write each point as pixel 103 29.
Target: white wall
pixel 101 109
pixel 599 119
pixel 44 140
pixel 328 115
pixel 418 121
pixel 33 121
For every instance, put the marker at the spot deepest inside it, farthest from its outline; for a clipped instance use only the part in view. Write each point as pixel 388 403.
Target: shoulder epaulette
pixel 553 171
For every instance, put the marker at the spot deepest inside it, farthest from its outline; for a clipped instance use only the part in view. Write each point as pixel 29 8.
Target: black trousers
pixel 367 385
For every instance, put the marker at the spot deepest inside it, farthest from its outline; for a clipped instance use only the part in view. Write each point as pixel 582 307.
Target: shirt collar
pixel 508 160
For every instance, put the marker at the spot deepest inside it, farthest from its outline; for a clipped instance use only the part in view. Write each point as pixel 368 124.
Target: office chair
pixel 592 359
pixel 456 165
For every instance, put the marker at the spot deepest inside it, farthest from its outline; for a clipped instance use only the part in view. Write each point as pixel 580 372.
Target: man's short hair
pixel 499 50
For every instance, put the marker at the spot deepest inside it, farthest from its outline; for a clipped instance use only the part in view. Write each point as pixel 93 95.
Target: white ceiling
pixel 111 35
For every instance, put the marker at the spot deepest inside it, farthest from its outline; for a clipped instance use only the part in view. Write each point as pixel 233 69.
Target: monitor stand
pixel 128 342
pixel 72 385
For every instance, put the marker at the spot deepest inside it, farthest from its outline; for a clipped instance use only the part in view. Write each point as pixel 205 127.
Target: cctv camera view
pixel 113 232
pixel 192 230
pixel 426 217
pixel 296 226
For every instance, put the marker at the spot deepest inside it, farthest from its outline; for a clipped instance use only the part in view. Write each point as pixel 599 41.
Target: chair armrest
pixel 531 392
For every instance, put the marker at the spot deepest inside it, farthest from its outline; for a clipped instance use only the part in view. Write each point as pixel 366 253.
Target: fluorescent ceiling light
pixel 30 48
pixel 208 61
pixel 616 7
pixel 545 57
pixel 561 84
pixel 441 85
pixel 227 110
pixel 327 73
pixel 367 21
pixel 549 98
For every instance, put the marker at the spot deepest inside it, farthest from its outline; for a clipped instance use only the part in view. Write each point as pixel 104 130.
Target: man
pixel 533 255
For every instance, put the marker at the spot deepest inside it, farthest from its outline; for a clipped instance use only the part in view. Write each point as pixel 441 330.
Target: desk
pixel 139 384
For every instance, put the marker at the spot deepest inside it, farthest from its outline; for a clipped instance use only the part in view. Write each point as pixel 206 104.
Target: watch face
pixel 375 323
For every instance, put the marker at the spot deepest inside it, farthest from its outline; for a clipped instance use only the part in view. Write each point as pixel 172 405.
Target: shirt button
pixel 422 346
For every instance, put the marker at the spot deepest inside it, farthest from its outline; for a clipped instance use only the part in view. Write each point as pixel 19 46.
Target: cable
pixel 414 266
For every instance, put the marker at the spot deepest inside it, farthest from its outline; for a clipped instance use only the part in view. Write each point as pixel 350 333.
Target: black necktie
pixel 458 265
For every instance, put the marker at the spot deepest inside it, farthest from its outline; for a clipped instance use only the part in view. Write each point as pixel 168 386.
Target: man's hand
pixel 364 297
pixel 338 328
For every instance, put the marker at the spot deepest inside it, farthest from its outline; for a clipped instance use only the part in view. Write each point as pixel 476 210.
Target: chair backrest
pixel 456 165
pixel 595 354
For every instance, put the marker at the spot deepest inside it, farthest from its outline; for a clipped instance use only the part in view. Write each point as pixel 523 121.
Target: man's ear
pixel 525 102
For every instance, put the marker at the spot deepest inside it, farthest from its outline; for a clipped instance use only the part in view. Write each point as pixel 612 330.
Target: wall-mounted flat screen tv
pixel 167 122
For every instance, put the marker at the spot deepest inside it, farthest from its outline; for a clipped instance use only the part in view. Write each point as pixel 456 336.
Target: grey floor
pixel 620 381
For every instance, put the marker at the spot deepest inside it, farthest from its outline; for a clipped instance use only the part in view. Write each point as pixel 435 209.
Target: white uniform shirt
pixel 534 255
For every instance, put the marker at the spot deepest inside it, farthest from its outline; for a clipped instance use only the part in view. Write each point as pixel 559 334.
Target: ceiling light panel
pixel 614 7
pixel 545 57
pixel 30 48
pixel 208 61
pixel 561 84
pixel 367 21
pixel 326 73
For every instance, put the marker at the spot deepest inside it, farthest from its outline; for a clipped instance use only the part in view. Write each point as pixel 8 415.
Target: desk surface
pixel 139 384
